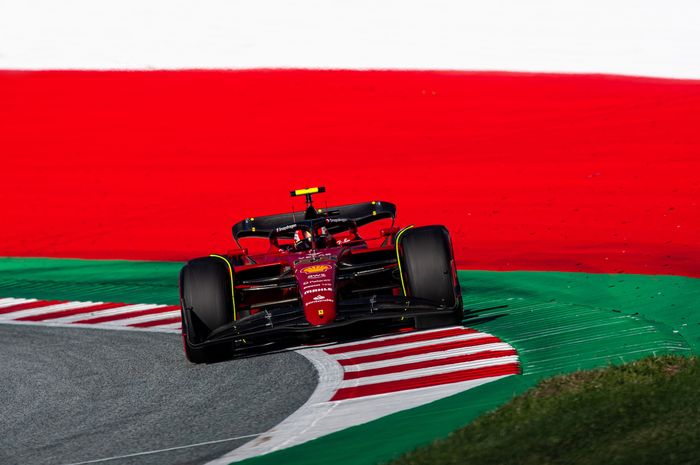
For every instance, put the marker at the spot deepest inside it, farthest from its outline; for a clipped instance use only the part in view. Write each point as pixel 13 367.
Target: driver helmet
pixel 302 239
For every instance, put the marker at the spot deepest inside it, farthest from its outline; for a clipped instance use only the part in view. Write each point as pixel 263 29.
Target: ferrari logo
pixel 315 269
pixel 320 313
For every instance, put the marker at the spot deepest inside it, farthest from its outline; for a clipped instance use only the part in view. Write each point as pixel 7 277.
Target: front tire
pixel 207 304
pixel 428 271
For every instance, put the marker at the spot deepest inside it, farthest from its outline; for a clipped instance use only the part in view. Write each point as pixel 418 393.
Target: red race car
pixel 318 279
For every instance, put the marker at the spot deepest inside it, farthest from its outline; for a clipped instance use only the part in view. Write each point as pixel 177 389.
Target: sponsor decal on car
pixel 318 280
pixel 326 283
pixel 315 276
pixel 286 228
pixel 320 298
pixel 320 289
pixel 315 269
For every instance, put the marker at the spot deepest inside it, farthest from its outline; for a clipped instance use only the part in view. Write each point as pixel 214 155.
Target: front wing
pixel 288 325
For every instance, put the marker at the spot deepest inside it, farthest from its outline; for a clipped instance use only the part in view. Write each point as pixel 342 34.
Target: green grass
pixel 645 412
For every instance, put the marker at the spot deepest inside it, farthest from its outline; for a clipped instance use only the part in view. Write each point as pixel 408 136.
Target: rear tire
pixel 427 266
pixel 207 304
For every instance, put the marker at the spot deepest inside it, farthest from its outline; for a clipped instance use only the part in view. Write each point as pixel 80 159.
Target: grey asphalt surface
pixel 74 395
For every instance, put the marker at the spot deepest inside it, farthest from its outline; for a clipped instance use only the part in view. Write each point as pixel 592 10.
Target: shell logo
pixel 315 269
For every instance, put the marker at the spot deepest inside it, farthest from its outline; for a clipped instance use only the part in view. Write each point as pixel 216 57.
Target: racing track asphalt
pixel 76 395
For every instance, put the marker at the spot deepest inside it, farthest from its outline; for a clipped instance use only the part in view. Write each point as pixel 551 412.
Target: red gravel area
pixel 529 171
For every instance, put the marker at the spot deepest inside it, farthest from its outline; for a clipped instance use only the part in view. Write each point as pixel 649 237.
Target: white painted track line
pixel 126 309
pixel 302 425
pixel 176 326
pixel 423 372
pixel 411 345
pixel 120 316
pixel 47 309
pixel 429 356
pixel 347 346
pixel 10 301
pixel 143 319
pixel 154 329
pixel 168 449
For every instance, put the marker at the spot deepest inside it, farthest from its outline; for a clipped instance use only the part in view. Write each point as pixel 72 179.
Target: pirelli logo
pixel 315 269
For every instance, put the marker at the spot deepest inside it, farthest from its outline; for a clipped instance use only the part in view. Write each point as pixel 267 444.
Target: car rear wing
pixel 361 213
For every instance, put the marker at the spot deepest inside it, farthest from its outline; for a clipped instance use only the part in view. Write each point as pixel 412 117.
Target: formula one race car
pixel 317 279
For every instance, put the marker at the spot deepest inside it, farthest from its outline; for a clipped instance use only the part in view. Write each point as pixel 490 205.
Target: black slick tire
pixel 206 300
pixel 428 271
